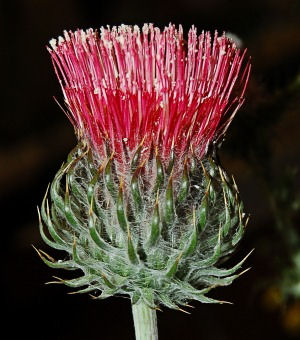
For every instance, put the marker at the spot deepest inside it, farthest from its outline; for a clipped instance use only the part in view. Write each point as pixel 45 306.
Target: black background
pixel 36 137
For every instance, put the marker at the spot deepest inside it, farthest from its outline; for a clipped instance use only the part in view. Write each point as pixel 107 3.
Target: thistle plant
pixel 142 205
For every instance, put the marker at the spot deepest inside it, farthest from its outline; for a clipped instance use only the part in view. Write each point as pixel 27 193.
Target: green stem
pixel 145 323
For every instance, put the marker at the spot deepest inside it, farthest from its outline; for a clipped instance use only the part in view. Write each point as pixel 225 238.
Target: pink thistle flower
pixel 124 87
pixel 142 206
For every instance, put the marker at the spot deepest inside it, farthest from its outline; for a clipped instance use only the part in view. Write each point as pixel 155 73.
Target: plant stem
pixel 145 323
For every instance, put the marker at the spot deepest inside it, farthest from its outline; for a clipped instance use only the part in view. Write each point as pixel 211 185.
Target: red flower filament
pixel 125 86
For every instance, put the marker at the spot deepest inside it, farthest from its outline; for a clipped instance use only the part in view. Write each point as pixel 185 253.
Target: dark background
pixel 262 147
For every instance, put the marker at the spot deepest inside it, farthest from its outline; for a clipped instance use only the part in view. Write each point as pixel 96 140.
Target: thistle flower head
pixel 125 87
pixel 146 210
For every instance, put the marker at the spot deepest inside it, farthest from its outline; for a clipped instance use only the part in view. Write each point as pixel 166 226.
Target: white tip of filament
pixel 60 40
pixel 237 40
pixel 52 43
pixel 67 36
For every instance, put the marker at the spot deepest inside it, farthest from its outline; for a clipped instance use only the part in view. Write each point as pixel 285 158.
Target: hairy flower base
pixel 152 233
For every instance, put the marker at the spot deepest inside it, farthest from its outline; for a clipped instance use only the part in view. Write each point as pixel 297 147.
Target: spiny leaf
pixel 202 212
pixel 102 244
pixel 204 299
pixel 77 152
pixel 135 297
pixel 136 157
pixel 155 229
pixel 47 219
pixel 106 293
pixel 174 266
pixel 87 290
pixel 55 188
pixel 60 225
pixel 159 173
pixel 165 300
pixel 92 183
pixel 213 271
pixel 172 159
pixel 211 280
pixel 193 166
pixel 169 203
pixel 148 297
pixel 212 167
pixel 77 190
pixel 135 190
pixel 132 255
pixel 90 163
pixel 46 239
pixel 49 261
pixel 193 239
pixel 108 178
pixel 70 216
pixel 184 187
pixel 207 178
pixel 189 289
pixel 120 209
pixel 227 224
pixel 107 282
pixel 212 259
pixel 76 283
pixel 240 231
pixel 75 254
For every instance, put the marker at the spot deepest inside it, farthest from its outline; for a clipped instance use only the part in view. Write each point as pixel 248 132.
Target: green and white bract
pixel 151 234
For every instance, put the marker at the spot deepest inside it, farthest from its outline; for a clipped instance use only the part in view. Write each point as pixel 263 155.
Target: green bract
pixel 153 232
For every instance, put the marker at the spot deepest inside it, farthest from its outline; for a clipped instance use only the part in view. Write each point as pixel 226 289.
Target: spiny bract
pixel 151 234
